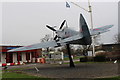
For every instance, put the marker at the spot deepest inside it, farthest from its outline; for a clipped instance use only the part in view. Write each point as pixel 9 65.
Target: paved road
pixel 82 70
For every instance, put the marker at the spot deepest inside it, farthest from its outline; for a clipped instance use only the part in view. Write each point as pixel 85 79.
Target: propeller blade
pixel 62 24
pixel 55 37
pixel 50 28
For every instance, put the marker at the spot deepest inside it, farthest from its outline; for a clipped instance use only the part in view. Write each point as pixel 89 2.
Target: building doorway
pixel 27 56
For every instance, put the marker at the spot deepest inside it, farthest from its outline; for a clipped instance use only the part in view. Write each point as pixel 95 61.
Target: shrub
pixel 86 59
pixel 100 58
pixel 83 59
pixel 90 58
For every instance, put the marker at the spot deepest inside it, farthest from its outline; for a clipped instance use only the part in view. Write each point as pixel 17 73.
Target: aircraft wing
pixel 100 30
pixel 48 44
pixel 36 46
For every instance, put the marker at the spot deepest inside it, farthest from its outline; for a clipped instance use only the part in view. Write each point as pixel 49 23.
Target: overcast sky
pixel 24 23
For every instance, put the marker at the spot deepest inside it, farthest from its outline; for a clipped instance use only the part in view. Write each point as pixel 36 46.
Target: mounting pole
pixel 69 54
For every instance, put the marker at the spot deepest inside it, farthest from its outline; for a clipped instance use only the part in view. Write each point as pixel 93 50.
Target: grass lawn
pixel 76 57
pixel 21 76
pixel 16 75
pixel 113 78
pixel 77 62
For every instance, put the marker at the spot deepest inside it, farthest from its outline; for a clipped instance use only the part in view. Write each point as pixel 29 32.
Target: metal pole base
pixel 69 54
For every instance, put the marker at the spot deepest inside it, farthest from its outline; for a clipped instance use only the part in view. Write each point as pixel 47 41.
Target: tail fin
pixel 85 31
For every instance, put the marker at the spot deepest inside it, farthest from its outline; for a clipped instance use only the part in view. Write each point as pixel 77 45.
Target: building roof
pixel 10 45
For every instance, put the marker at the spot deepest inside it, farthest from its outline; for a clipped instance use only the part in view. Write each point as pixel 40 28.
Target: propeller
pixel 61 26
pixel 55 37
pixel 50 28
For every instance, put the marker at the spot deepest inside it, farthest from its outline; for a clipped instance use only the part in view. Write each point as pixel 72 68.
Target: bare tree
pixel 118 41
pixel 97 39
pixel 117 38
pixel 79 50
pixel 46 38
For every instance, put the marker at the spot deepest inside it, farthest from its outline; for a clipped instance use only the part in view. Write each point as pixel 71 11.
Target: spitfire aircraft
pixel 66 36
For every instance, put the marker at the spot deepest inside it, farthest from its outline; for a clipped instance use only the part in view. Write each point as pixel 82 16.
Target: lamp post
pixel 89 11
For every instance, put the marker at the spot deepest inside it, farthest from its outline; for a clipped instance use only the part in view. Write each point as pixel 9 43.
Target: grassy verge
pixel 76 57
pixel 112 78
pixel 77 62
pixel 16 75
pixel 21 76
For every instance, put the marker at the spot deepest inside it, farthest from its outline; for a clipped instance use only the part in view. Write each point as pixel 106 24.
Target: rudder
pixel 85 31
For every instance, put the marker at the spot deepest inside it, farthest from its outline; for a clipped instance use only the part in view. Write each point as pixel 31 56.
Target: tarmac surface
pixel 82 70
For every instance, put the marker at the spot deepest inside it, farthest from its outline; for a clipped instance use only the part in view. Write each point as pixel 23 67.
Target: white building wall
pixel 24 57
pixel 15 58
pixel 119 24
pixel 3 58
